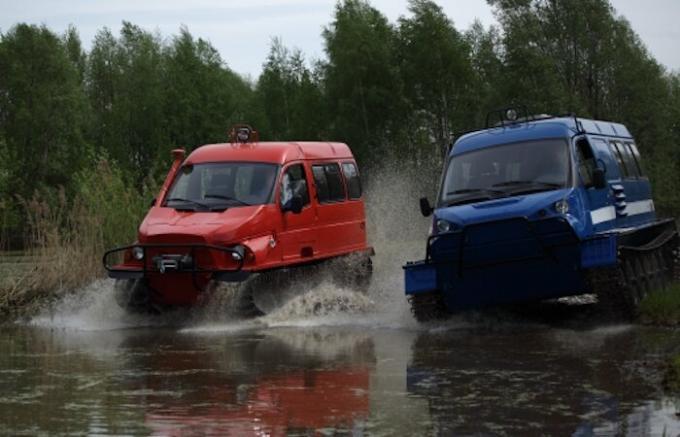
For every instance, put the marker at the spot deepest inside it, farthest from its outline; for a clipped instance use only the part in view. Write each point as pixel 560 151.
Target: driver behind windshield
pixel 548 166
pixel 216 186
pixel 507 169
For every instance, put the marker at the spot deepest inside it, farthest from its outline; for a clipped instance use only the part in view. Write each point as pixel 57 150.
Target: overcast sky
pixel 242 29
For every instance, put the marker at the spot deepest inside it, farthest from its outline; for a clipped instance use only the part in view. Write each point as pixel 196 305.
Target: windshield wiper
pixel 475 190
pixel 526 187
pixel 232 199
pixel 521 182
pixel 469 195
pixel 193 202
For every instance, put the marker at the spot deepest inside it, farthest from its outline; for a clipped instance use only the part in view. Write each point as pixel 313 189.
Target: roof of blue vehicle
pixel 562 127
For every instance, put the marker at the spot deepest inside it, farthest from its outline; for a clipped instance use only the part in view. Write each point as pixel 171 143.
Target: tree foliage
pixel 388 89
pixel 291 96
pixel 360 77
pixel 41 110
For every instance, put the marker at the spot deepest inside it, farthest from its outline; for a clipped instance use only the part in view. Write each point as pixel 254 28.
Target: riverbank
pixel 33 281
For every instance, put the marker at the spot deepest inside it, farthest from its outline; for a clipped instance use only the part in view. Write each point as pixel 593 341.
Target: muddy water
pixel 468 377
pixel 334 362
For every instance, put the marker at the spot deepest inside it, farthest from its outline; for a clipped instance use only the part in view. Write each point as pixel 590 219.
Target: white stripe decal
pixel 640 207
pixel 602 215
pixel 608 213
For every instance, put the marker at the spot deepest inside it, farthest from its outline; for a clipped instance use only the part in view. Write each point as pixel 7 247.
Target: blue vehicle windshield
pixel 506 170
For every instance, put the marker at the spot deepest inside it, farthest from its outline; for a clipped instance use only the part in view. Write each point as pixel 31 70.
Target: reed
pixel 67 235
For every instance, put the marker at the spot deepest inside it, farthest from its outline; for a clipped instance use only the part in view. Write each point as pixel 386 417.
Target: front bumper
pixel 179 258
pixel 507 261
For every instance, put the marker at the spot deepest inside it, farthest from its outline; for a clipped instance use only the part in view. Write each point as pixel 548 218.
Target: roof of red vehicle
pixel 274 152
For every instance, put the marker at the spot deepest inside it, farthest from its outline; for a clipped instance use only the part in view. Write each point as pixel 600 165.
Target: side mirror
pixel 425 208
pixel 153 202
pixel 599 180
pixel 294 205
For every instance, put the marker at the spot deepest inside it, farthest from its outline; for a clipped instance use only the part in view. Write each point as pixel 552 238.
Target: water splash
pixel 93 308
pixel 326 304
pixel 396 231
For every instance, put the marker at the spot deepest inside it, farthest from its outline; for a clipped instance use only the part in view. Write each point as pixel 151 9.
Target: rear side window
pixel 632 149
pixel 328 181
pixel 616 152
pixel 352 178
pixel 630 161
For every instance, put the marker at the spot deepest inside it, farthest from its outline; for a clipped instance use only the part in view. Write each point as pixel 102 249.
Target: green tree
pixel 361 79
pixel 202 97
pixel 291 96
pixel 436 70
pixel 41 110
pixel 74 49
pixel 487 67
pixel 126 93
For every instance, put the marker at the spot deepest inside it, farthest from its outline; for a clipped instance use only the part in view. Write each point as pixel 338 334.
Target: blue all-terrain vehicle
pixel 541 207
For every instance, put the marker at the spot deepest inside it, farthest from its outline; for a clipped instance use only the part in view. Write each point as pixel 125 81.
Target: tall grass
pixel 662 307
pixel 67 235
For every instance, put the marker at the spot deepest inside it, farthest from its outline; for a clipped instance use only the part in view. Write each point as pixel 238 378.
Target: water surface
pixel 485 377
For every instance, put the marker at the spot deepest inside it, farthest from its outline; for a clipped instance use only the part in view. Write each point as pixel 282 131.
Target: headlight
pixel 562 206
pixel 138 253
pixel 238 253
pixel 443 226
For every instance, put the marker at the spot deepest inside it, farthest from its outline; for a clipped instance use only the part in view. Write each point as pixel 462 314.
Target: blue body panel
pixel 520 248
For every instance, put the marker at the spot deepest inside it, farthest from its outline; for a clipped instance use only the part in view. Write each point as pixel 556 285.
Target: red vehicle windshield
pixel 222 185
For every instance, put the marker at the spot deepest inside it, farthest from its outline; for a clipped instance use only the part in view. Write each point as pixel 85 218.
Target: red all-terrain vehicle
pixel 231 210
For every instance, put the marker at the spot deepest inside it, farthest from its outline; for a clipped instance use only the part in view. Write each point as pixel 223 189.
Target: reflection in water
pixel 485 378
pixel 275 383
pixel 549 381
pixel 161 382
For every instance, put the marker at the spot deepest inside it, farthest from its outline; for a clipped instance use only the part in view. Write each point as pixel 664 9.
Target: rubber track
pixel 638 273
pixel 426 307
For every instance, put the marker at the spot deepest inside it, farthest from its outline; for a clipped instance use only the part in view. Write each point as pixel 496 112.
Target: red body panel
pixel 272 238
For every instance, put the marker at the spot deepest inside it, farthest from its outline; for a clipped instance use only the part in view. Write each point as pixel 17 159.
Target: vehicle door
pixel 632 192
pixel 592 153
pixel 298 234
pixel 334 213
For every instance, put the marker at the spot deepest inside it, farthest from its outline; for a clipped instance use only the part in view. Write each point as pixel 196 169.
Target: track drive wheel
pixel 427 307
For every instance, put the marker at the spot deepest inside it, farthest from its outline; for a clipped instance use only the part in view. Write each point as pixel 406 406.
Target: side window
pixel 321 183
pixel 294 182
pixel 619 158
pixel 586 161
pixel 352 178
pixel 635 158
pixel 328 181
pixel 629 160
